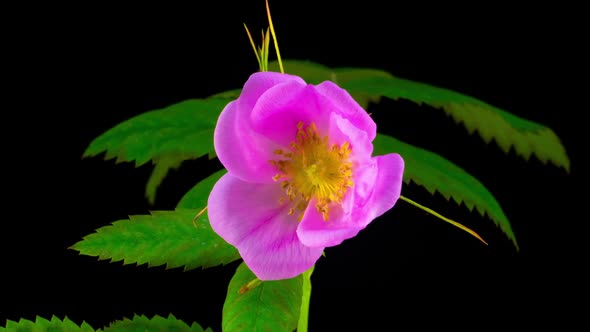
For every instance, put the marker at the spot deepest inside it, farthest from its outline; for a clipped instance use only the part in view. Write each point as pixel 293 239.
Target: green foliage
pixel 230 94
pixel 157 323
pixel 508 130
pixel 198 195
pixel 43 325
pixel 162 166
pixel 166 137
pixel 185 130
pixel 435 173
pixel 265 306
pixel 164 237
pixel 137 324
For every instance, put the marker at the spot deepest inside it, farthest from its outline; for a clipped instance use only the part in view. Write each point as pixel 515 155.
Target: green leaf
pixel 157 323
pixel 198 195
pixel 164 237
pixel 435 173
pixel 267 306
pixel 167 137
pixel 508 130
pixel 162 166
pixel 43 325
pixel 184 129
pixel 229 95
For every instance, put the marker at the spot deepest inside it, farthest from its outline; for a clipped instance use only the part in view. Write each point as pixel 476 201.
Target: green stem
pixel 305 297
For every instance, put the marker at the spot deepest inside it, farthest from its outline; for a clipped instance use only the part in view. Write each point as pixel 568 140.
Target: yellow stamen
pixel 314 170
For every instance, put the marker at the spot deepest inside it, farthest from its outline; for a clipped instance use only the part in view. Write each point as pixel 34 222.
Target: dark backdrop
pixel 84 70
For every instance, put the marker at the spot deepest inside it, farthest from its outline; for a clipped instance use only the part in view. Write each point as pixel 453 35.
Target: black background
pixel 80 71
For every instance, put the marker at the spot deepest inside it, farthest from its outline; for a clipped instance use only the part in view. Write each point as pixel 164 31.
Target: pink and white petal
pixel 341 130
pixel 249 216
pixel 314 231
pixel 259 82
pixel 348 107
pixel 386 190
pixel 281 108
pixel 242 151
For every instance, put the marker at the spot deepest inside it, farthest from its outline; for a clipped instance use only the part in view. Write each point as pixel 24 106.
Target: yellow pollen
pixel 313 169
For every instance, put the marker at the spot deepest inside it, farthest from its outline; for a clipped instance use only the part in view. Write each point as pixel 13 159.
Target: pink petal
pixel 259 82
pixel 281 108
pixel 348 107
pixel 343 130
pixel 364 178
pixel 249 216
pixel 386 190
pixel 314 231
pixel 243 152
pixel 377 188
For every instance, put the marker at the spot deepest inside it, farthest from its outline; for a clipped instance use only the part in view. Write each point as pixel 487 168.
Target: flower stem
pixel 434 213
pixel 306 296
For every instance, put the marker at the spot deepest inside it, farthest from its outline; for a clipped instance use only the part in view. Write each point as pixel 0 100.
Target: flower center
pixel 313 169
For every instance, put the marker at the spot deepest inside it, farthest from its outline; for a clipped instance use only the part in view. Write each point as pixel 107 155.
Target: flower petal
pixel 249 216
pixel 240 149
pixel 376 190
pixel 259 82
pixel 281 108
pixel 243 152
pixel 386 189
pixel 348 107
pixel 314 231
pixel 343 130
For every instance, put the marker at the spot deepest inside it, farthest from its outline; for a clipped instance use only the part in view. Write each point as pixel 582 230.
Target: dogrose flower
pixel 301 176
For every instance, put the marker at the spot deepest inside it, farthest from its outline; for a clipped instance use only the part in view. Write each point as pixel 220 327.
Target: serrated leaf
pixel 184 129
pixel 508 130
pixel 436 173
pixel 162 166
pixel 199 194
pixel 269 306
pixel 141 323
pixel 164 237
pixel 43 325
pixel 167 137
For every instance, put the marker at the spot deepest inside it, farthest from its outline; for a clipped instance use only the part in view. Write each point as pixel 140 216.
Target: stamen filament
pixel 313 169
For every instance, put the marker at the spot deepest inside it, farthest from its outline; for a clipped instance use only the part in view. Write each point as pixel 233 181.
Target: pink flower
pixel 300 173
